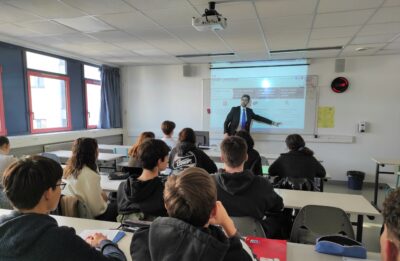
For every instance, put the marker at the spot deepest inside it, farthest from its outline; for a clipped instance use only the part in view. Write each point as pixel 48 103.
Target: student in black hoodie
pixel 142 197
pixel 186 154
pixel 33 185
pixel 243 193
pixel 189 233
pixel 299 162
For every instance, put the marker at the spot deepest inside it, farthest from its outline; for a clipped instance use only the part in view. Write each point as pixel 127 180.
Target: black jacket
pixel 141 196
pixel 253 162
pixel 296 164
pixel 38 237
pixel 170 239
pixel 232 120
pixel 244 194
pixel 186 155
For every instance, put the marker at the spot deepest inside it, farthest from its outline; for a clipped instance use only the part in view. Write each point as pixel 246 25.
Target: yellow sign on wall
pixel 326 117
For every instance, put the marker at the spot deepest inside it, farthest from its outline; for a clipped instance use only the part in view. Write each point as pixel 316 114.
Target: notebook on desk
pixel 265 248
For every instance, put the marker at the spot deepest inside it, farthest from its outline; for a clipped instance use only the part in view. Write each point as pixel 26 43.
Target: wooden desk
pixel 81 224
pixel 352 204
pixel 381 163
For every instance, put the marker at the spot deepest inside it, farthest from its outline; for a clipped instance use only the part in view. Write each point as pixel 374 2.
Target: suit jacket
pixel 233 120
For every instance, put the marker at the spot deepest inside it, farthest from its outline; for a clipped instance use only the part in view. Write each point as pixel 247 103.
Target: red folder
pixel 267 248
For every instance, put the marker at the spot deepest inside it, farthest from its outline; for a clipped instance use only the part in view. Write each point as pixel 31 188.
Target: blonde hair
pixel 133 151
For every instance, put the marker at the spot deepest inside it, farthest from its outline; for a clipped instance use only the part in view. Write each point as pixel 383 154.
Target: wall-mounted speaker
pixel 188 70
pixel 340 65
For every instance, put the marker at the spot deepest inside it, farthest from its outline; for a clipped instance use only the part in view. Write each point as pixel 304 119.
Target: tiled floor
pixel 372 228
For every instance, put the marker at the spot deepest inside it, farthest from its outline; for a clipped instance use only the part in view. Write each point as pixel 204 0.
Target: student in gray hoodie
pixel 33 185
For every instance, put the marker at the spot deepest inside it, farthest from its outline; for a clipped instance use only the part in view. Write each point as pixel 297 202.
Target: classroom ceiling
pixel 129 32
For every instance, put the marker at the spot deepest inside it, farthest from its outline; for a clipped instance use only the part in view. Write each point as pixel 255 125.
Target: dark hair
pixel 234 151
pixel 133 151
pixel 246 96
pixel 295 142
pixel 84 153
pixel 27 179
pixel 391 213
pixel 190 196
pixel 150 151
pixel 247 137
pixel 187 135
pixel 168 127
pixel 4 141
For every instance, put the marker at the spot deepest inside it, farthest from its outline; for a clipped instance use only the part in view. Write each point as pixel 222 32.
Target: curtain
pixel 110 110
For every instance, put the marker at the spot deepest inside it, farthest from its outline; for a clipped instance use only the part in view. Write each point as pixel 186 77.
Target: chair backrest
pixel 51 156
pixel 316 221
pixel 71 206
pixel 296 184
pixel 249 226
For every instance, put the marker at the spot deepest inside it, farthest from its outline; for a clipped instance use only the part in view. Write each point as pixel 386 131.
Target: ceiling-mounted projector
pixel 210 20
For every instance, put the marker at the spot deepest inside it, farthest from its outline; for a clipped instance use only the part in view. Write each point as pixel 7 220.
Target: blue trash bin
pixel 355 179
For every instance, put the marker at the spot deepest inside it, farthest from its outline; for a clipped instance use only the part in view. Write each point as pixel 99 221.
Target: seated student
pixel 5 161
pixel 34 185
pixel 83 180
pixel 142 197
pixel 189 233
pixel 253 162
pixel 167 128
pixel 186 154
pixel 299 162
pixel 132 152
pixel 390 238
pixel 243 193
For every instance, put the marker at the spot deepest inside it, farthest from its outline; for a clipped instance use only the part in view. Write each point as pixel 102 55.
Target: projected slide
pixel 280 91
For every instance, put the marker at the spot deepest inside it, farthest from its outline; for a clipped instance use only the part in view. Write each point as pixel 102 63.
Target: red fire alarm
pixel 340 84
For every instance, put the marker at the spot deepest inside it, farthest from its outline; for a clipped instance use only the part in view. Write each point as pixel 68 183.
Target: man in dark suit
pixel 240 117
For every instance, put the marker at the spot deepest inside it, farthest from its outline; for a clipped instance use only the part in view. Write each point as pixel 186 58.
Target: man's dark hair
pixel 190 196
pixel 27 179
pixel 295 142
pixel 4 141
pixel 168 127
pixel 187 135
pixel 246 96
pixel 234 151
pixel 150 151
pixel 391 213
pixel 247 137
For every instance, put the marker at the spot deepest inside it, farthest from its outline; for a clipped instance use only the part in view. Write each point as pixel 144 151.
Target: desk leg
pixel 360 221
pixel 376 186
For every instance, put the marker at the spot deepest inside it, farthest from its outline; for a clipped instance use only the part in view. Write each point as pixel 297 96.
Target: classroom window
pixel 3 130
pixel 45 63
pixel 49 106
pixel 93 99
pixel 93 95
pixel 91 72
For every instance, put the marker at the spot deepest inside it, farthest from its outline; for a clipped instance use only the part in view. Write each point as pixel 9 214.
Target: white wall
pixel 155 93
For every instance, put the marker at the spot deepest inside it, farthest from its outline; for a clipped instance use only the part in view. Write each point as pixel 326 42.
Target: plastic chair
pixel 249 226
pixel 313 222
pixel 51 156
